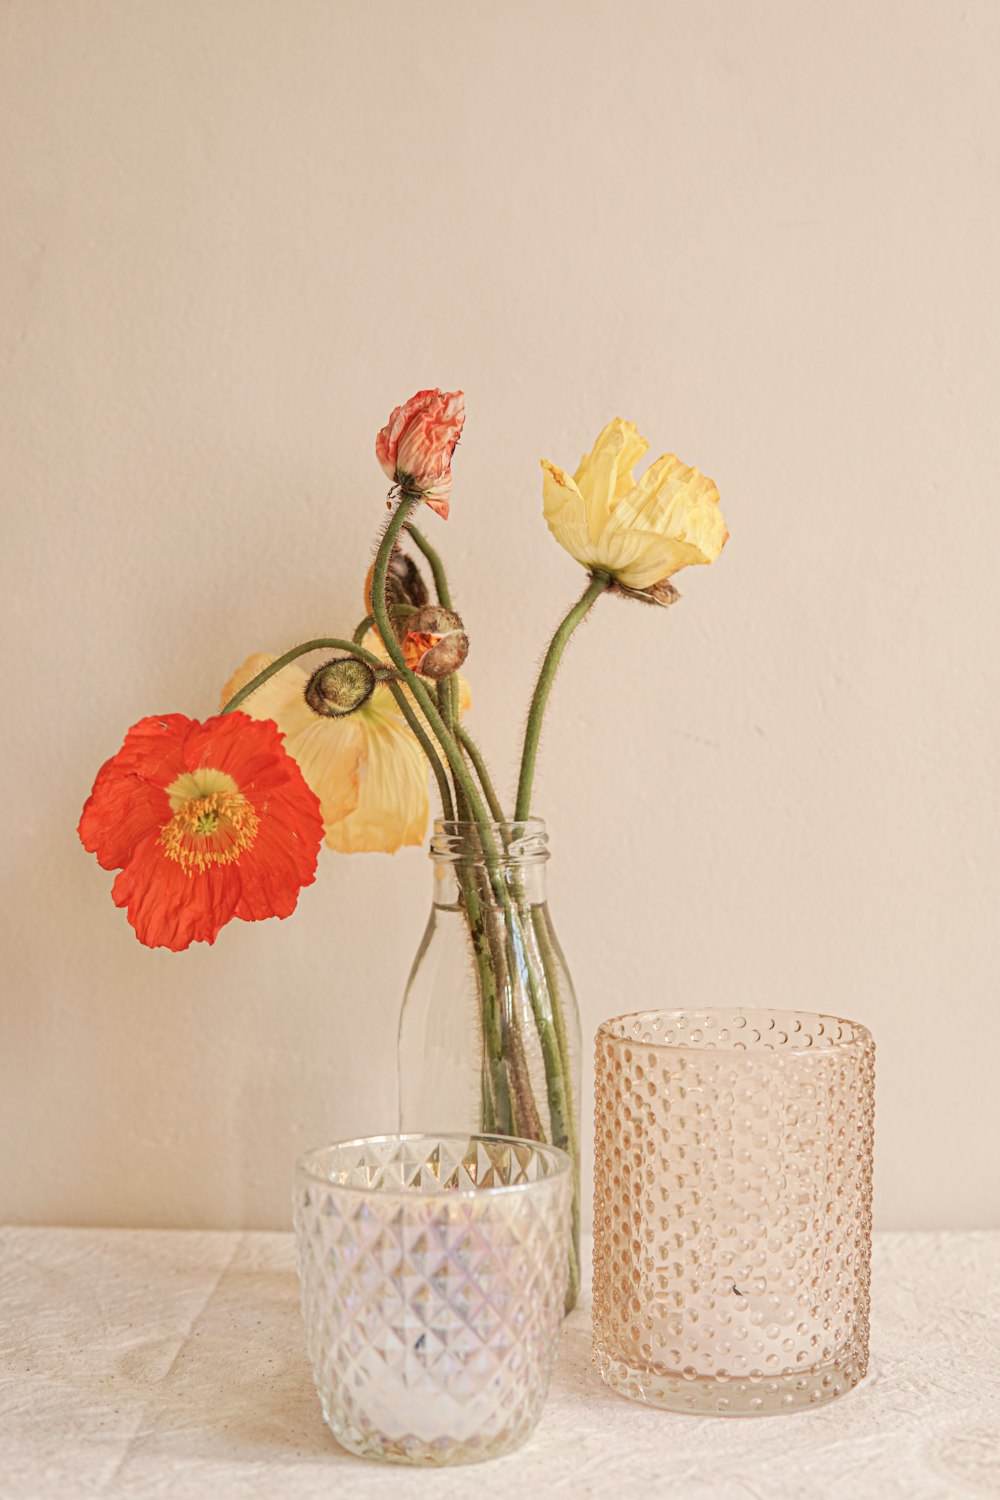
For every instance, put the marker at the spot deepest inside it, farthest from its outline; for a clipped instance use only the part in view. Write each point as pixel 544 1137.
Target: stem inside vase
pixel 489 1034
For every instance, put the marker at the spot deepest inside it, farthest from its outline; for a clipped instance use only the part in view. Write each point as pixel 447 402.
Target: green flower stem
pixel 543 937
pixel 500 917
pixel 448 689
pixel 500 925
pixel 424 739
pixel 549 1017
pixel 556 1075
pixel 447 702
pixel 399 612
pixel 474 753
pixel 496 1091
pixel 499 920
pixel 544 940
pixel 436 566
pixel 598 583
pixel 425 703
pixel 538 964
pixel 444 598
pixel 323 643
pixel 541 972
pixel 464 784
pixel 331 643
pixel 508 952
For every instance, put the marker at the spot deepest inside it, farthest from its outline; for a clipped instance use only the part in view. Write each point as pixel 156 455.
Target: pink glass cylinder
pixel 732 1208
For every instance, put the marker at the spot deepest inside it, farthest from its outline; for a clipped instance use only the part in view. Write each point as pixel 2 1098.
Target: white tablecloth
pixel 155 1363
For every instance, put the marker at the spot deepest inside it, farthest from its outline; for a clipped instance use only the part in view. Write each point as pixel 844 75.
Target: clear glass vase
pixel 489 1033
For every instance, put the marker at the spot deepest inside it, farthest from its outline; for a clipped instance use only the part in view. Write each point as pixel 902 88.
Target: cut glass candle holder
pixel 433 1272
pixel 732 1208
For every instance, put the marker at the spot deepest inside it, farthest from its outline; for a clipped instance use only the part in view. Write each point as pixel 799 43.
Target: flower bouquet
pixel 207 821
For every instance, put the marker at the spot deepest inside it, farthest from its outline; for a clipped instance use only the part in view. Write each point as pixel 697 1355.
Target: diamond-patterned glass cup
pixel 732 1208
pixel 433 1273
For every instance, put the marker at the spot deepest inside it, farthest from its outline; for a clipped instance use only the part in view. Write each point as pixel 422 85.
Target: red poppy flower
pixel 206 822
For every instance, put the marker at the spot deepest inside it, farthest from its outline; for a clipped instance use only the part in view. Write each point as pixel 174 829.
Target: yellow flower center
pixel 212 824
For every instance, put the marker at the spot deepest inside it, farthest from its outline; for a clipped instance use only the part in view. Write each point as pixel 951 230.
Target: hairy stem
pixel 465 790
pixel 447 741
pixel 444 598
pixel 598 583
pixel 323 643
pixel 474 753
pixel 427 746
pixel 436 566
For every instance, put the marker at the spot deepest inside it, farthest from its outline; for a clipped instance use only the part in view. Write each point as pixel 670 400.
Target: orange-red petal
pixel 170 909
pixel 129 801
pixel 169 903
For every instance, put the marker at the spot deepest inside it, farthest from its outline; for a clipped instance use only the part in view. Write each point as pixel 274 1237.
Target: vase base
pixel 418 1452
pixel 703 1396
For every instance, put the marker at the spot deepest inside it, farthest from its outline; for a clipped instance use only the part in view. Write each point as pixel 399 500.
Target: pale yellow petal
pixel 255 662
pixel 671 520
pixel 373 643
pixel 281 697
pixel 640 532
pixel 328 751
pixel 605 474
pixel 393 807
pixel 565 512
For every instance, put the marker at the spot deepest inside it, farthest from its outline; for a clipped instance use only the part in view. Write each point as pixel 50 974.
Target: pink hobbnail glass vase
pixel 732 1208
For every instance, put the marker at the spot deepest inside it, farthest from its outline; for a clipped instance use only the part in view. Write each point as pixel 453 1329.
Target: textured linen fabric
pixel 146 1364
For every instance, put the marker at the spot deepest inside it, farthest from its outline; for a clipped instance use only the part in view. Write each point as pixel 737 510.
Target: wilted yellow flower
pixel 640 532
pixel 366 768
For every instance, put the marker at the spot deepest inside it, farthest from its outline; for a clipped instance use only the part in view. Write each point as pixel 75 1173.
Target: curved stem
pixel 447 701
pixel 472 750
pixel 598 583
pixel 474 753
pixel 424 740
pixel 323 643
pixel 532 951
pixel 436 566
pixel 561 1081
pixel 398 612
pixel 522 1101
pixel 425 703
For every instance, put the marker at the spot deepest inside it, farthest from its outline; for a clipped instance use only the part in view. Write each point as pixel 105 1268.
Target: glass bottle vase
pixel 489 1032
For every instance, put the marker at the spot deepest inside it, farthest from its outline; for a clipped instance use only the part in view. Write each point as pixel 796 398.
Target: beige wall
pixel 235 233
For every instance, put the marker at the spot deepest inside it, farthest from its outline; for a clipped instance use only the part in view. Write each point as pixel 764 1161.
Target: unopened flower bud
pixel 339 687
pixel 405 581
pixel 435 643
pixel 405 589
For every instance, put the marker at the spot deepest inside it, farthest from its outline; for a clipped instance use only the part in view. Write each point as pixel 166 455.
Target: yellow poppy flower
pixel 366 768
pixel 639 531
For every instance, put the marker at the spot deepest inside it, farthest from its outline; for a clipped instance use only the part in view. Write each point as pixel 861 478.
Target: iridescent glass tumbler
pixel 732 1208
pixel 433 1273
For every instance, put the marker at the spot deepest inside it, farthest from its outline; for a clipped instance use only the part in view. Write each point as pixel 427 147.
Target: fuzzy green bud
pixel 339 687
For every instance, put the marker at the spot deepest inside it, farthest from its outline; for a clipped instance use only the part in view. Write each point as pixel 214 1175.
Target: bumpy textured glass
pixel 433 1274
pixel 489 1032
pixel 732 1208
